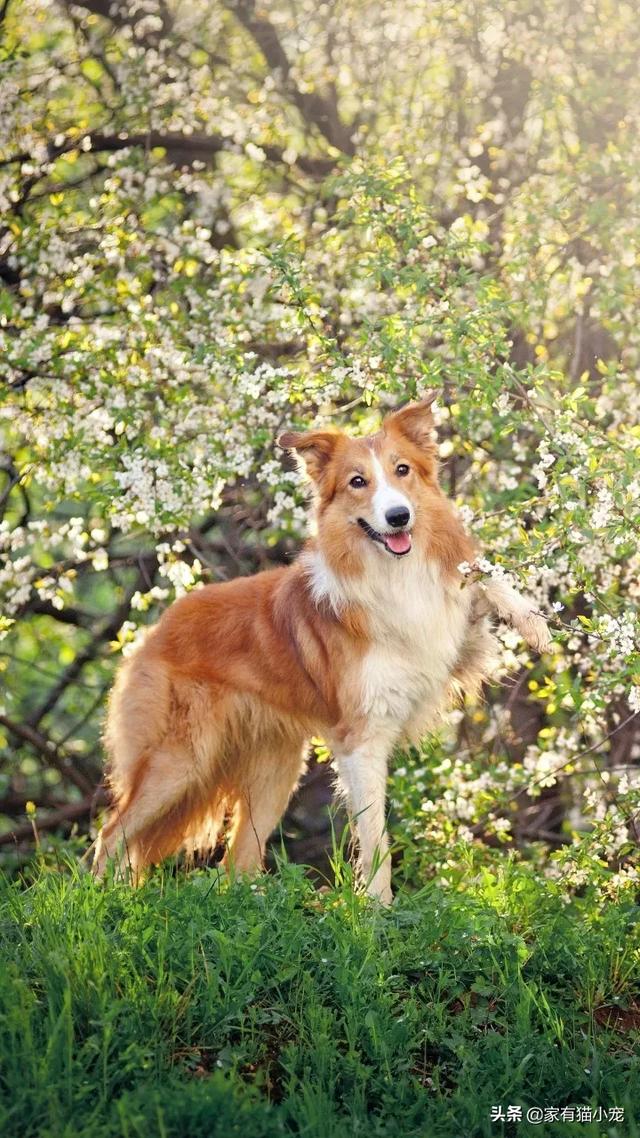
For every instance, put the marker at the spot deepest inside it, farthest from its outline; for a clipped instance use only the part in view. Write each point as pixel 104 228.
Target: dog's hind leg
pixel 260 803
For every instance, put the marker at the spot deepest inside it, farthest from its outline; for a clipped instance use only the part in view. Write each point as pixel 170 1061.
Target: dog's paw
pixel 535 631
pixel 518 611
pixel 383 896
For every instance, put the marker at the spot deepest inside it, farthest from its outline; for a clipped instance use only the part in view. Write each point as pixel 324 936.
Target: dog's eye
pixel 402 470
pixel 358 482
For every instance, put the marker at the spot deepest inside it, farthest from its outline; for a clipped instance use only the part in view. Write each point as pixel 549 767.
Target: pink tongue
pixel 398 542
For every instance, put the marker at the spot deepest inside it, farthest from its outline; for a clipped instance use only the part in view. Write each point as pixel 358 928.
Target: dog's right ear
pixel 315 449
pixel 415 422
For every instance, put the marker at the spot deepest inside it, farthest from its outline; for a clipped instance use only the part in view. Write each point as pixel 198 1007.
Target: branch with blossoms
pixel 182 148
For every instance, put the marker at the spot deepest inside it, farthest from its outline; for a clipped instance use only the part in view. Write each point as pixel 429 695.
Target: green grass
pixel 193 1008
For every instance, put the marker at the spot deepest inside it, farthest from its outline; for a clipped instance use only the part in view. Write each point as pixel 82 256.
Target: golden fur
pixel 211 716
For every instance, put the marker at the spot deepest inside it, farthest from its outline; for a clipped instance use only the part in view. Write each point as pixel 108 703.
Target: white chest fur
pixel 417 626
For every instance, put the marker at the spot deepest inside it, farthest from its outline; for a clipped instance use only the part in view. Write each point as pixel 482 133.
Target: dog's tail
pixel 518 611
pixel 136 723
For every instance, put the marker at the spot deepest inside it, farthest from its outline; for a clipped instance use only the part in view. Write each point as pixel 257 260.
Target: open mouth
pixel 398 542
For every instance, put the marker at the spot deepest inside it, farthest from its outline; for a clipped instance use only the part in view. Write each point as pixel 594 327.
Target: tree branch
pixel 107 632
pixel 181 148
pixel 318 110
pixel 64 816
pixel 120 17
pixel 202 147
pixel 66 615
pixel 49 751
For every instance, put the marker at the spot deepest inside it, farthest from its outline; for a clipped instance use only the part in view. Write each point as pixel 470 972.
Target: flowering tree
pixel 221 218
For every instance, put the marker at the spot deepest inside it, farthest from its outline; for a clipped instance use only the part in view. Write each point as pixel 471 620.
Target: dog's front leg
pixel 362 773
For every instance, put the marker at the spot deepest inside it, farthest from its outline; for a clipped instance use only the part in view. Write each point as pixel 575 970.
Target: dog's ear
pixel 315 448
pixel 415 422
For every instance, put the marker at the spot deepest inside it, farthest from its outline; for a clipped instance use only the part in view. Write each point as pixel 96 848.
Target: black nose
pixel 397 516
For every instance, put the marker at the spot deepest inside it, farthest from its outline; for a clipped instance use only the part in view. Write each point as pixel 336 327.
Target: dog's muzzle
pixel 398 543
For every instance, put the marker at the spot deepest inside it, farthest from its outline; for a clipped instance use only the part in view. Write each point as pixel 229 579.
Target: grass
pixel 192 1008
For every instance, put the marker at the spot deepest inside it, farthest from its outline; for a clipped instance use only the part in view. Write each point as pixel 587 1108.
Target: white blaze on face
pixel 386 497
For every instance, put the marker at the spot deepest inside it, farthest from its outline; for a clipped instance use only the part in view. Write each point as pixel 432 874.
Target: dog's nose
pixel 397 516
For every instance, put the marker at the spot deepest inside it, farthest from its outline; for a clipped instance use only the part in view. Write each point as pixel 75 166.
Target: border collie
pixel 363 641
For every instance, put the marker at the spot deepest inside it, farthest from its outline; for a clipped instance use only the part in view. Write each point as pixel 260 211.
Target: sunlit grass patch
pixel 191 1006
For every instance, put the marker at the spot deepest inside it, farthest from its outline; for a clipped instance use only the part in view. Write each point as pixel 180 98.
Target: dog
pixel 363 640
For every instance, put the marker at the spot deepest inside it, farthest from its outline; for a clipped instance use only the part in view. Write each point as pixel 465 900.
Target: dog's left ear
pixel 415 422
pixel 315 448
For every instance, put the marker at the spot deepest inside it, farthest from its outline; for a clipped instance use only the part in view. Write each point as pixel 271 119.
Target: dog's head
pixel 378 491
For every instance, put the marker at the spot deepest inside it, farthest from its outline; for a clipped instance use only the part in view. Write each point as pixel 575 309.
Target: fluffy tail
pixel 517 611
pixel 136 721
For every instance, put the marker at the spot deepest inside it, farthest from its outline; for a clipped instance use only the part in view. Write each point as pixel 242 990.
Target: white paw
pixel 535 630
pixel 380 892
